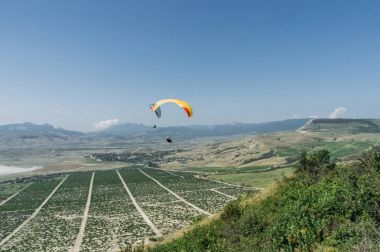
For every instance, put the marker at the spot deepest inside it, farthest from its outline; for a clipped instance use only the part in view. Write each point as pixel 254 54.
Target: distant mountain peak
pixel 35 129
pixel 28 134
pixel 235 128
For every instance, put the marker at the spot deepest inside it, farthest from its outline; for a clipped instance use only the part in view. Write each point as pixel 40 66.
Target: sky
pixel 86 65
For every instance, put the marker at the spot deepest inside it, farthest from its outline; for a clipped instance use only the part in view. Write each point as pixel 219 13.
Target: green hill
pixel 346 125
pixel 323 207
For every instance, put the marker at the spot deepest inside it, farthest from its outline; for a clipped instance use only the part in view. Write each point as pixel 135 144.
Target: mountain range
pixel 29 134
pixel 30 130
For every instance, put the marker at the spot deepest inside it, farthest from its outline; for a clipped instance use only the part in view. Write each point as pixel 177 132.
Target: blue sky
pixel 75 63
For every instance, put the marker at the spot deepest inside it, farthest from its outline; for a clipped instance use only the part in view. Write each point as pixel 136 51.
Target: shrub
pixel 324 207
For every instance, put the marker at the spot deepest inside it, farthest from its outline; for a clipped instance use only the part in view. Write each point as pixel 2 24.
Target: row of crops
pixel 8 189
pixel 113 221
pixel 57 224
pixel 196 190
pixel 19 208
pixel 164 210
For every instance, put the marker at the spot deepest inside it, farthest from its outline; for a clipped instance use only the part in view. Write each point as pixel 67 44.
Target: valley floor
pixel 105 210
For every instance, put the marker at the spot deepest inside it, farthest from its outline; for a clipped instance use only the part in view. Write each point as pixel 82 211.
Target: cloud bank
pixel 296 116
pixel 338 113
pixel 106 124
pixel 55 111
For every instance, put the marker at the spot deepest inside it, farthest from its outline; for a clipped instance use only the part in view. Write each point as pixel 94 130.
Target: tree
pixel 316 164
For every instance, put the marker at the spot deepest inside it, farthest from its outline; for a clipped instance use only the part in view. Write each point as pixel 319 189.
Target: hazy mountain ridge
pixel 29 134
pixel 129 129
pixel 125 129
pixel 31 129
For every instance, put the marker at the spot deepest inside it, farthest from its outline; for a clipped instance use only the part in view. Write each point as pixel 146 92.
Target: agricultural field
pixel 162 208
pixel 193 189
pixel 260 180
pixel 113 221
pixel 338 150
pixel 18 209
pixel 105 210
pixel 221 170
pixel 61 217
pixel 9 189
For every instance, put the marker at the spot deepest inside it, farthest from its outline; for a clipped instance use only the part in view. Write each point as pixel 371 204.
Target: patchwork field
pixel 260 180
pixel 105 210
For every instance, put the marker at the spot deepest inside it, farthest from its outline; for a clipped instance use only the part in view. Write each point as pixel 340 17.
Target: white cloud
pixel 313 116
pixel 106 123
pixel 296 116
pixel 55 111
pixel 338 112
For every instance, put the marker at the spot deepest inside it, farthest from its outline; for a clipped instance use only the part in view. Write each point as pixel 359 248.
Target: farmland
pixel 61 217
pixel 193 189
pixel 164 210
pixel 9 189
pixel 18 209
pixel 113 221
pixel 105 209
pixel 261 180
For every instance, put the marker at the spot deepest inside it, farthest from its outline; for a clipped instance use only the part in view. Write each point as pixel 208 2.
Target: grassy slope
pixel 222 170
pixel 258 179
pixel 323 208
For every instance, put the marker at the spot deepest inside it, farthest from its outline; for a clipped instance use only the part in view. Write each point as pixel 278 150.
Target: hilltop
pixel 29 134
pixel 323 207
pixel 344 125
pixel 29 129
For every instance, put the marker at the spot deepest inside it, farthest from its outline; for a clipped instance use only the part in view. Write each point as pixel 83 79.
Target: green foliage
pixel 315 165
pixel 205 238
pixel 324 207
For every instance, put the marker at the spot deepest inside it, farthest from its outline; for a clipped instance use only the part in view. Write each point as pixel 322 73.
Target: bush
pixel 324 207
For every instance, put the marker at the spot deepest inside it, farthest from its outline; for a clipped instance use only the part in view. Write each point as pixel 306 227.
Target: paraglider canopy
pixel 157 110
pixel 184 105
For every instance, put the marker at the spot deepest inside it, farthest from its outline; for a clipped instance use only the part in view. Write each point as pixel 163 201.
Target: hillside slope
pixel 344 125
pixel 29 134
pixel 324 207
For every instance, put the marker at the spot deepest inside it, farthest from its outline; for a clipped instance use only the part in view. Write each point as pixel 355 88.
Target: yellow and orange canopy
pixel 184 105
